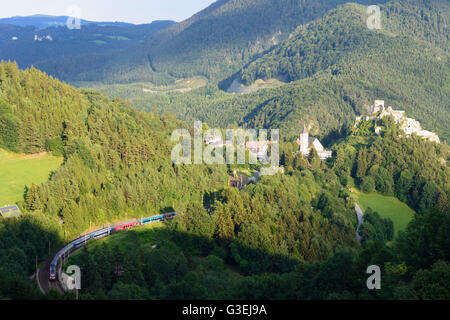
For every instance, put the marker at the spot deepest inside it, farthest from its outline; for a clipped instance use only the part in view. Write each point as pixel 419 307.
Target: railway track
pixel 44 283
pixel 42 278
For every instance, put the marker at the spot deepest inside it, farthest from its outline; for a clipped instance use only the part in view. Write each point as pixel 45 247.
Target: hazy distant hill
pixel 44 21
pixel 20 44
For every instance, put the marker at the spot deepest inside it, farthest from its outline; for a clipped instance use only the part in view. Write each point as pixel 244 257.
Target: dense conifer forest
pixel 292 235
pixel 284 230
pixel 117 159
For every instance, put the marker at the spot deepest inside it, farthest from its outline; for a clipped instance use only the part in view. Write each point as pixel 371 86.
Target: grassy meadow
pixel 387 207
pixel 20 170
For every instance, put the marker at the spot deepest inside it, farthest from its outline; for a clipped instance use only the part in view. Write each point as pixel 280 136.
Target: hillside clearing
pixel 20 170
pixel 387 207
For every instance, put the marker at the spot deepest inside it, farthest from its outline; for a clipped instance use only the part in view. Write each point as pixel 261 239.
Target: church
pixel 306 143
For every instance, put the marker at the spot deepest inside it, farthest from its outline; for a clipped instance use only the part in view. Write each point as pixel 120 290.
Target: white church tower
pixel 304 141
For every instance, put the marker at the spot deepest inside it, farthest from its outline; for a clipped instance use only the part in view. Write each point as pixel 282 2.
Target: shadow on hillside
pixel 24 243
pixel 166 209
pixel 163 264
pixel 158 263
pixel 248 260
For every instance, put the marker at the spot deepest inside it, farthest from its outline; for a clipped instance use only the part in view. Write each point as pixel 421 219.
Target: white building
pixel 212 139
pixel 399 115
pixel 258 148
pixel 428 135
pixel 306 143
pixel 411 125
pixel 377 106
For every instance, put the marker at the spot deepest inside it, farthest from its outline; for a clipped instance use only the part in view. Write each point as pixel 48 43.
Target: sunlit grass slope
pixel 19 170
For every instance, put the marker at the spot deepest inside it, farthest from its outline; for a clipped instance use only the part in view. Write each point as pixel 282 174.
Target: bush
pixel 368 185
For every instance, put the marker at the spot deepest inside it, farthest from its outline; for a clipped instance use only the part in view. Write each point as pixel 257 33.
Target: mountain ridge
pixel 346 67
pixel 215 43
pixel 42 21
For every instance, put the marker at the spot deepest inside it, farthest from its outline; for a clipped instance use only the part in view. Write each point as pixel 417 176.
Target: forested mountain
pixel 289 236
pixel 336 67
pixel 117 166
pixel 229 34
pixel 58 42
pixel 215 43
pixel 273 240
pixel 405 63
pixel 116 159
pixel 337 38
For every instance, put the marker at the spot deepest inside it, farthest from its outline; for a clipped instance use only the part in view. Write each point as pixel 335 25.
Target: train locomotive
pixel 81 241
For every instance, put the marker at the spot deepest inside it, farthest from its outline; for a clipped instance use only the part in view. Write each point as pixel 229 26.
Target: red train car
pixel 127 225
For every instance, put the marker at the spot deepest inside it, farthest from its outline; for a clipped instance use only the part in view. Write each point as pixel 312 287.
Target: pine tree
pixel 32 199
pixel 362 163
pixel 314 160
pixel 224 223
pixel 30 138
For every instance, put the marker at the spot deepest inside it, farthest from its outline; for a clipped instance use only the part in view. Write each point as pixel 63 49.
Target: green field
pixel 387 207
pixel 19 170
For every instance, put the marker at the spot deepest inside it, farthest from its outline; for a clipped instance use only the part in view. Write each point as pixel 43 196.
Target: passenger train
pixel 74 245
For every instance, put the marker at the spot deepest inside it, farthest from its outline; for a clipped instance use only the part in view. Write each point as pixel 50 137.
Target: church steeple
pixel 305 130
pixel 304 141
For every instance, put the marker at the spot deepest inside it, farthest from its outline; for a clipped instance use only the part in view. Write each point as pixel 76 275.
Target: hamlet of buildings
pixel 257 148
pixel 260 148
pixel 47 37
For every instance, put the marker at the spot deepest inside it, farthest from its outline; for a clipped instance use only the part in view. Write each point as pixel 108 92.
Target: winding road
pixel 360 215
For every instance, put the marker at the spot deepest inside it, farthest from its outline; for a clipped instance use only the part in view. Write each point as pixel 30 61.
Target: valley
pixel 90 127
